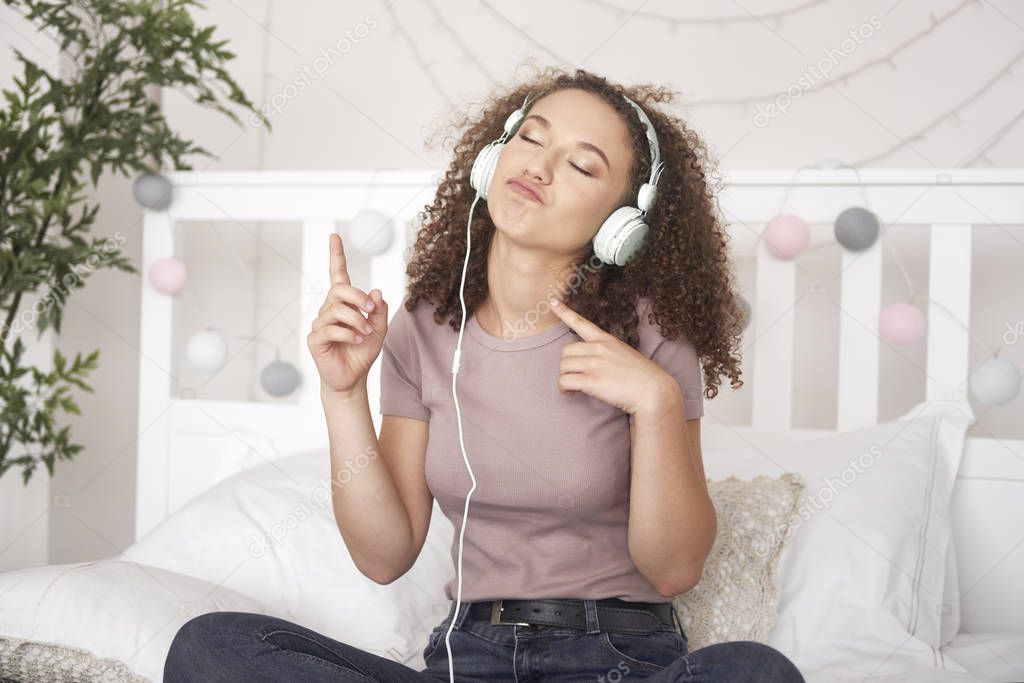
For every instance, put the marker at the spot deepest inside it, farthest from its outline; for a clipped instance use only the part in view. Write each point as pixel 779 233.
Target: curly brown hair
pixel 682 267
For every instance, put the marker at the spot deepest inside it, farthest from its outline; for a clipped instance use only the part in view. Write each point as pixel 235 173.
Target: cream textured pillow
pixel 736 596
pixel 36 662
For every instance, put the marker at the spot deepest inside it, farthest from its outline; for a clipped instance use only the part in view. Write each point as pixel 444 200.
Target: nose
pixel 538 167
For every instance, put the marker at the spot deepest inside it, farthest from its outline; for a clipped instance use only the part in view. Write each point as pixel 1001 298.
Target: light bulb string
pixel 195 303
pixel 243 266
pixel 796 174
pixel 913 295
pixel 782 205
pixel 993 352
pixel 197 307
pixel 899 264
pixel 277 350
pixel 785 201
pixel 275 347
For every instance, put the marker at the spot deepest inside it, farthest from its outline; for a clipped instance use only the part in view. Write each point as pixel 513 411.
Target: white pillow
pixel 719 437
pixel 862 580
pixel 270 532
pixel 950 599
pixel 111 608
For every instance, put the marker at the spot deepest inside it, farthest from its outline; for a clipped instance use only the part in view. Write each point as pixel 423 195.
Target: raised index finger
pixel 339 267
pixel 586 329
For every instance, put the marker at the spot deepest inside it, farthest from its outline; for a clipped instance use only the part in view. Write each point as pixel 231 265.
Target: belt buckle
pixel 496 609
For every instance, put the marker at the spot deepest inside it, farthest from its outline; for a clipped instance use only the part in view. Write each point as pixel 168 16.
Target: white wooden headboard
pixel 187 442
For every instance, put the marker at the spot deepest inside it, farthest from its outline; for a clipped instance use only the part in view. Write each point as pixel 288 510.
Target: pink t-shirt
pixel 548 518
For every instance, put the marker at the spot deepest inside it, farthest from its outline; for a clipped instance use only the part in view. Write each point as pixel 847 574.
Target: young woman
pixel 580 398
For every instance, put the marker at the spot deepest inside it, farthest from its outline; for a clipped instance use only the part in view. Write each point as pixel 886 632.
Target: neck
pixel 519 282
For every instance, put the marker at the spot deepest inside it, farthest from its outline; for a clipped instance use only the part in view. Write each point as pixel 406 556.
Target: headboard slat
pixel 773 337
pixel 949 290
pixel 156 383
pixel 857 403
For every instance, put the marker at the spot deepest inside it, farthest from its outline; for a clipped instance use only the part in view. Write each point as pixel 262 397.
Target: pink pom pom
pixel 787 235
pixel 168 275
pixel 901 324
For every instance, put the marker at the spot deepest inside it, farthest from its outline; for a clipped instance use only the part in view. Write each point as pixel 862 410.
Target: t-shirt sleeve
pixel 678 357
pixel 400 376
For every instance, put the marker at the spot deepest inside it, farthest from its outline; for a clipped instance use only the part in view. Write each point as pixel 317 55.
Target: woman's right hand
pixel 340 345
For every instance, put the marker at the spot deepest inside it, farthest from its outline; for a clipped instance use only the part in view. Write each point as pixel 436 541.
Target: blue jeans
pixel 241 646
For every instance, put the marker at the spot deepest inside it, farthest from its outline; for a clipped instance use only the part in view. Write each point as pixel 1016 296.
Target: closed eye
pixel 571 164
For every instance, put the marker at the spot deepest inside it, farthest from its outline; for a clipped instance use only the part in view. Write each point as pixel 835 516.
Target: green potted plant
pixel 58 133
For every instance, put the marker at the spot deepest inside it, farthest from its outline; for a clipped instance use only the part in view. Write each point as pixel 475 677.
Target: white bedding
pixel 993 656
pixel 988 657
pixel 269 526
pixel 111 609
pixel 127 612
pixel 930 676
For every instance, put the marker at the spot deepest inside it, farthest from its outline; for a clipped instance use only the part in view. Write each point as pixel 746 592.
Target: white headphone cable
pixel 458 414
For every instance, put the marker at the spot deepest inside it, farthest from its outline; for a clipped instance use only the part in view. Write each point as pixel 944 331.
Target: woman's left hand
pixel 607 368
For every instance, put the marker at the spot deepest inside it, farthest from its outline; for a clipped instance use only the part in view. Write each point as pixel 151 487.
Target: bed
pixel 233 508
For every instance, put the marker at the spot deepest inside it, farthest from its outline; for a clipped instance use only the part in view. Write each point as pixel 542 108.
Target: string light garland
pixel 776 16
pixel 954 113
pixel 745 102
pixel 995 381
pixel 887 59
pixel 397 30
pixel 467 55
pixel 207 350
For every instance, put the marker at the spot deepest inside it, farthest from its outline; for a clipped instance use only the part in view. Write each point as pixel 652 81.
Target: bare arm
pixel 672 521
pixel 378 490
pixel 380 499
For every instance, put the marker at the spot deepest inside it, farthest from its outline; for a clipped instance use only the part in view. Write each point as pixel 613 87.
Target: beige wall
pixel 917 95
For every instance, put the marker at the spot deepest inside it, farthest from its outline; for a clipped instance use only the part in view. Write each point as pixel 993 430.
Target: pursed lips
pixel 524 190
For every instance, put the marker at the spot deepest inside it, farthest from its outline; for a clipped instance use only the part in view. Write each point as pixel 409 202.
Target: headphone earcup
pixel 621 236
pixel 483 168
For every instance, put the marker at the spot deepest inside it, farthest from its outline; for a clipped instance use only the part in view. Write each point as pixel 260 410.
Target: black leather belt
pixel 613 614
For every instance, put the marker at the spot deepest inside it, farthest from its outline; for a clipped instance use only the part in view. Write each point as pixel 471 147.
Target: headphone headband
pixel 652 141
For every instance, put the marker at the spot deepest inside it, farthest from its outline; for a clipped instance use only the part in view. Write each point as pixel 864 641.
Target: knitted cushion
pixel 736 596
pixel 27 661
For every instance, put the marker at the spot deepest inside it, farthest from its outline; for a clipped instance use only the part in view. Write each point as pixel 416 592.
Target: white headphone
pixel 623 232
pixel 620 236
